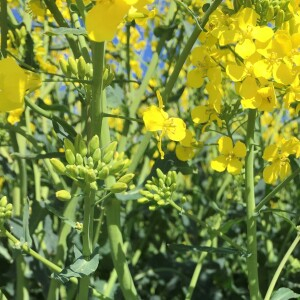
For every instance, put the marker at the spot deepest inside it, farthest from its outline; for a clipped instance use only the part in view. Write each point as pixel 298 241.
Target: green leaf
pixel 284 294
pixel 80 267
pixel 66 30
pixel 185 248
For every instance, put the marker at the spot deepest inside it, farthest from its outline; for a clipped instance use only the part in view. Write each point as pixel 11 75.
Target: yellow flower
pixel 185 150
pixel 156 119
pixel 104 18
pixel 12 85
pixel 277 154
pixel 230 157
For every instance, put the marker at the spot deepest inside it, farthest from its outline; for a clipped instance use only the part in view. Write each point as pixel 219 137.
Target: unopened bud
pixel 126 178
pixel 73 65
pixel 81 66
pixel 3 201
pixel 58 165
pixel 118 187
pixel 82 148
pixel 93 144
pixel 279 18
pixel 70 157
pixel 103 173
pixel 78 159
pixel 63 195
pixel 116 166
pixel 97 155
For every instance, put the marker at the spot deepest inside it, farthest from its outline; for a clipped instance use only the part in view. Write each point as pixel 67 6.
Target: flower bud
pixel 118 187
pixel 279 18
pixel 82 148
pixel 58 165
pixel 93 144
pixel 72 171
pixel 81 66
pixel 110 148
pixel 69 145
pixel 63 195
pixel 70 157
pixel 103 173
pixel 160 174
pixel 65 67
pixel 90 175
pixel 78 159
pixel 126 178
pixel 3 201
pixel 73 65
pixel 97 155
pixel 116 167
pixel 94 186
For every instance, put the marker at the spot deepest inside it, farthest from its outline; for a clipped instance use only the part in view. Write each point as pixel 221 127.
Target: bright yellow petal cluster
pixel 278 156
pixel 156 119
pixel 185 149
pixel 230 157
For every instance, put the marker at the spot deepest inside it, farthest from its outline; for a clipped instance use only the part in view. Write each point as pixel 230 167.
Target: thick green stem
pixel 252 265
pixel 281 266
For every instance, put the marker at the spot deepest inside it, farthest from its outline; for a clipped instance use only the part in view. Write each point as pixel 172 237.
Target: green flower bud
pixel 152 207
pixel 94 186
pixel 70 157
pixel 81 66
pixel 279 18
pixel 3 201
pixel 270 13
pixel 8 214
pixel 94 144
pixel 73 65
pixel 82 171
pixel 161 202
pixel 78 226
pixel 118 187
pixel 9 207
pixel 126 178
pixel 161 183
pixel 83 148
pixel 103 173
pixel 90 162
pixel 72 171
pixel 63 195
pixel 65 67
pixel 110 148
pixel 100 165
pixel 168 180
pixel 142 200
pixel 69 145
pixel 160 174
pixel 108 157
pixel 58 165
pixel 116 167
pixel 89 70
pixel 90 175
pixel 97 155
pixel 78 159
pixel 77 140
pixel 156 197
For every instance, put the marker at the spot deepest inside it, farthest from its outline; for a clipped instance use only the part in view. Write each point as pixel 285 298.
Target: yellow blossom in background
pixel 278 156
pixel 185 149
pixel 15 115
pixel 12 85
pixel 156 119
pixel 230 157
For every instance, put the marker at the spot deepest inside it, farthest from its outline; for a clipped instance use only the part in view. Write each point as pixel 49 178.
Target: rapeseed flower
pixel 230 157
pixel 156 119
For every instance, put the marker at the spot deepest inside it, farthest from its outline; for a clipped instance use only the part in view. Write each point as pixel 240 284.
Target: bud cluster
pixel 159 190
pixel 88 163
pixel 5 210
pixel 269 10
pixel 17 38
pixel 83 70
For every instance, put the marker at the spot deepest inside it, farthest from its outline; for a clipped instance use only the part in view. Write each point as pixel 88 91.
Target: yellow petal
pixel 175 129
pixel 154 118
pixel 219 163
pixel 270 152
pixel 12 85
pixel 195 78
pixel 235 72
pixel 184 153
pixel 285 170
pixel 234 166
pixel 200 114
pixel 239 149
pixel 225 145
pixel 270 174
pixel 245 48
pixel 104 18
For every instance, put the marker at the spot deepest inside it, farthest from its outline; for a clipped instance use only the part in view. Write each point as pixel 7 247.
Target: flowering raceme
pixel 230 157
pixel 156 119
pixel 277 154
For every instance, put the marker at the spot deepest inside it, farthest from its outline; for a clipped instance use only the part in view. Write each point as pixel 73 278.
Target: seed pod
pixel 126 178
pixel 93 144
pixel 70 157
pixel 73 65
pixel 58 165
pixel 63 195
pixel 118 187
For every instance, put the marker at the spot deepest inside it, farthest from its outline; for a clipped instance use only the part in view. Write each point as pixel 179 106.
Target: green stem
pixel 113 206
pixel 252 265
pixel 3 26
pixel 53 267
pixel 187 49
pixel 281 266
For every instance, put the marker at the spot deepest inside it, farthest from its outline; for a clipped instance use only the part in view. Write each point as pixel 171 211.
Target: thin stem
pixel 252 265
pixel 281 266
